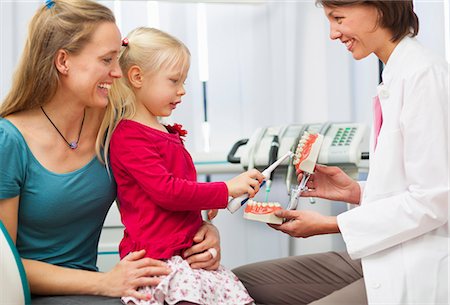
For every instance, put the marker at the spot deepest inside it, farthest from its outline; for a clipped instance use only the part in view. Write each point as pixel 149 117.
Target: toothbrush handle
pixel 235 203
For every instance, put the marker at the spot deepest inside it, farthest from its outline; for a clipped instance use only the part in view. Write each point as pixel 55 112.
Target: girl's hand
pixel 330 182
pixel 132 272
pixel 305 223
pixel 198 256
pixel 245 183
pixel 212 214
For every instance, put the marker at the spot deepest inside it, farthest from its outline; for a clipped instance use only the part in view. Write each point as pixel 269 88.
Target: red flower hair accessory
pixel 178 128
pixel 125 42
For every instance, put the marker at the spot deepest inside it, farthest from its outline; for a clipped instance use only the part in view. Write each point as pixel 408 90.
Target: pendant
pixel 73 145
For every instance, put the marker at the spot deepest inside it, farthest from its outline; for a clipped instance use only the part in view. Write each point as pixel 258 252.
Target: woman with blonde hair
pixel 54 191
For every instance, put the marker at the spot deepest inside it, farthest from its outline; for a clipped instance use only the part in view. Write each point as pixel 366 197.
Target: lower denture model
pixel 262 211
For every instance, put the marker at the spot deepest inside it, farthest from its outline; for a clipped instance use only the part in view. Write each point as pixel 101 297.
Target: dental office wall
pixel 270 63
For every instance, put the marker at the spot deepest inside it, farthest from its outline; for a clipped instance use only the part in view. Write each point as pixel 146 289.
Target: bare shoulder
pixel 25 121
pixel 31 126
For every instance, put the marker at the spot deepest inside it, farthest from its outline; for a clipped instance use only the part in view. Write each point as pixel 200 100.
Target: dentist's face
pixel 357 27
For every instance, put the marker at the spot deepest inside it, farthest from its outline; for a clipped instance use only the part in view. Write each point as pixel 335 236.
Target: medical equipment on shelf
pixel 14 288
pixel 341 146
pixel 273 153
pixel 235 203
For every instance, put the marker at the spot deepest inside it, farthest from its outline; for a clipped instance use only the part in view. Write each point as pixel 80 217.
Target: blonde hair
pixel 66 24
pixel 151 50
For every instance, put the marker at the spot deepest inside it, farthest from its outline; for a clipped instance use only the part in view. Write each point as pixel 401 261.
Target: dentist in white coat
pixel 399 230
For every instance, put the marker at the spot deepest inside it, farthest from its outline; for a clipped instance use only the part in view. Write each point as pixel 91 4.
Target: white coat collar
pixel 395 60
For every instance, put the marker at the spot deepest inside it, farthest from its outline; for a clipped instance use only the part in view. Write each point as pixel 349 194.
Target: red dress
pixel 160 200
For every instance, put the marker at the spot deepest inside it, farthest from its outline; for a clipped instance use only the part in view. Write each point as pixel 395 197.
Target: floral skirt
pixel 220 287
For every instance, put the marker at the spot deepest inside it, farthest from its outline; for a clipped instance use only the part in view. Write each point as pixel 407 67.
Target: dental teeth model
pixel 307 152
pixel 262 211
pixel 305 159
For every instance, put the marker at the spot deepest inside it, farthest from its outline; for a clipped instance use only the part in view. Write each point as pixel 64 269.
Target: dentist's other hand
pixel 330 182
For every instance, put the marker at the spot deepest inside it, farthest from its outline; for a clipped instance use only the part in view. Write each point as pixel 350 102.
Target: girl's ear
pixel 61 61
pixel 135 76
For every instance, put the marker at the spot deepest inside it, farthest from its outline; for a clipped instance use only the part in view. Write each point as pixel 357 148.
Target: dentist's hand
pixel 330 182
pixel 305 223
pixel 245 183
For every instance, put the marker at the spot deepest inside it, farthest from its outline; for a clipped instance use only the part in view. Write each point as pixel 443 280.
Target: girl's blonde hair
pixel 62 24
pixel 151 50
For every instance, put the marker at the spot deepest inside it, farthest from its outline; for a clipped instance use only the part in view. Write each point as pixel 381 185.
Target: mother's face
pixel 90 73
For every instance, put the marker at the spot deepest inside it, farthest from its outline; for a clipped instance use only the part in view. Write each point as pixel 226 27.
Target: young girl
pixel 160 199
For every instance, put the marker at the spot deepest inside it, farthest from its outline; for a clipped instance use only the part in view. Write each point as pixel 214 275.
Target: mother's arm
pixel 46 279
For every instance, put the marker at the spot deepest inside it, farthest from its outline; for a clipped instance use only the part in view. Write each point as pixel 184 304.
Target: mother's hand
pixel 134 271
pixel 305 223
pixel 198 255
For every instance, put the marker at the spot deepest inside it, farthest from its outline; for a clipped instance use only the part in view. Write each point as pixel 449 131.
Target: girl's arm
pixel 47 279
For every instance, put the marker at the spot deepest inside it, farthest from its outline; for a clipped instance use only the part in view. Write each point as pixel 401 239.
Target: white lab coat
pixel 400 231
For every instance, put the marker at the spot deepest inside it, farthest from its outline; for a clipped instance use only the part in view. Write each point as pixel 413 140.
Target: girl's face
pixel 357 27
pixel 91 72
pixel 161 92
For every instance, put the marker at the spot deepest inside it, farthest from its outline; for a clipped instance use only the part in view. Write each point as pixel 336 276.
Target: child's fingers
pixel 255 174
pixel 212 214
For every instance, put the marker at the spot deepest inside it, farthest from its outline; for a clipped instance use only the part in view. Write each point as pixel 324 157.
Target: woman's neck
pixel 385 51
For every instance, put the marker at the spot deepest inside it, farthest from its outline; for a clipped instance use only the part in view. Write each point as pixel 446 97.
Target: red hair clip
pixel 125 42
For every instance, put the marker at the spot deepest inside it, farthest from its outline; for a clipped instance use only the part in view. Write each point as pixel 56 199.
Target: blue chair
pixel 14 289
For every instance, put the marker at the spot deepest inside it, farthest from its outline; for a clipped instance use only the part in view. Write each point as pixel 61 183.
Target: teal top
pixel 60 215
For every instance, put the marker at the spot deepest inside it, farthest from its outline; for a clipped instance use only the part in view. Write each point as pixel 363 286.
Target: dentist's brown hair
pixel 396 15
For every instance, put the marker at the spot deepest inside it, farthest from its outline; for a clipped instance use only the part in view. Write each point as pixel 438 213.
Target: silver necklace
pixel 73 144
